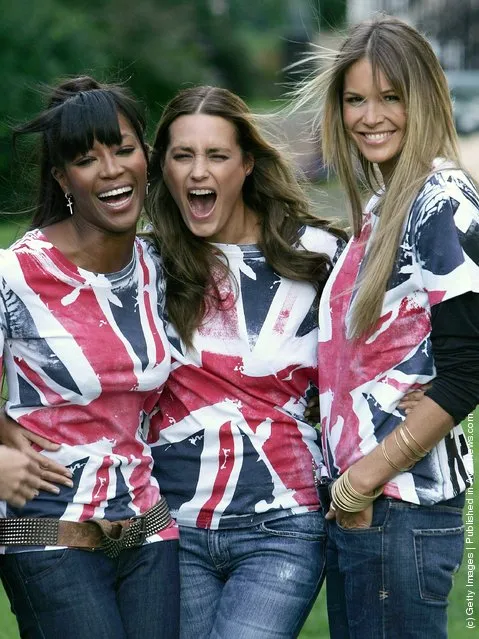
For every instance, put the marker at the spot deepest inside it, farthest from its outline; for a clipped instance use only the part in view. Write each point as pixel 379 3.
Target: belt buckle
pixel 130 537
pixel 138 536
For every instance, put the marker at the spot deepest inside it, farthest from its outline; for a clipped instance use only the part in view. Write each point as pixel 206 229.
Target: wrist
pixel 364 482
pixel 346 497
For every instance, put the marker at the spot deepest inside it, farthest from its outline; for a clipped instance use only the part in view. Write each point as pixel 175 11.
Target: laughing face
pixel 107 183
pixel 374 116
pixel 204 170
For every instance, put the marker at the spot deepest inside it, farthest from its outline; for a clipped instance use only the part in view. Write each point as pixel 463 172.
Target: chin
pixel 202 231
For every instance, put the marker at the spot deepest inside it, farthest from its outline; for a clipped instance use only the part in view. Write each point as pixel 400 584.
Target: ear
pixel 249 163
pixel 60 177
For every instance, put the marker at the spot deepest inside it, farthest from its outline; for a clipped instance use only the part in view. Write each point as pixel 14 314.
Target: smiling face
pixel 107 183
pixel 204 170
pixel 374 115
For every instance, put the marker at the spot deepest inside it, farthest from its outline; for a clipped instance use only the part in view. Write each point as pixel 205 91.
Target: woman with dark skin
pixel 85 355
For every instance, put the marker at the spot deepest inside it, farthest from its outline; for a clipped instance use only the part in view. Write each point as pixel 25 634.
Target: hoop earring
pixel 147 187
pixel 69 200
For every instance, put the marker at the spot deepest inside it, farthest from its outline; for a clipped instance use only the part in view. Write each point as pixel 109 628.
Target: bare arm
pixel 427 423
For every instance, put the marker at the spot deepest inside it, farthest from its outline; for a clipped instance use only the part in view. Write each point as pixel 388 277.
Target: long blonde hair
pixel 408 62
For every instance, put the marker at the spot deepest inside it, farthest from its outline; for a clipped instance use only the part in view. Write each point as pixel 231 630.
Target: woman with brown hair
pixel 245 264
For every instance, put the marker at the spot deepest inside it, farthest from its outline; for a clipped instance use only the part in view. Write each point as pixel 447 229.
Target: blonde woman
pixel 399 310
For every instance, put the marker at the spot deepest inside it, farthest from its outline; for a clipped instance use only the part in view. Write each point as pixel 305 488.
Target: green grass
pixel 316 625
pixel 8 625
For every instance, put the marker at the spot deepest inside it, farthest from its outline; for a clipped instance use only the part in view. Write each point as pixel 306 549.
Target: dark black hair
pixel 80 111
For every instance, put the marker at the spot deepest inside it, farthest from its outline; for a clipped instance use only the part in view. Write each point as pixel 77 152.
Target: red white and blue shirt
pixel 232 446
pixel 86 357
pixel 437 260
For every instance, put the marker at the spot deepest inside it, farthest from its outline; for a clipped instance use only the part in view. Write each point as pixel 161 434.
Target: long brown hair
pixel 271 191
pixel 410 65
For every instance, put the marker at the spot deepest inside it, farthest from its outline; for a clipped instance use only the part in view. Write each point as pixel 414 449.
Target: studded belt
pixel 95 534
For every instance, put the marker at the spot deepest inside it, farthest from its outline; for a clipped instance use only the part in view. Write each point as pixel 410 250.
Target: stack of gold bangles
pixel 347 498
pixel 414 453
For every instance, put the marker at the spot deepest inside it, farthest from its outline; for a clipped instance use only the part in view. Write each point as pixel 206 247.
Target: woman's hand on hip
pixel 49 471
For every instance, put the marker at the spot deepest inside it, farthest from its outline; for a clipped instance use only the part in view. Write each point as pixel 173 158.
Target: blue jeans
pixel 392 580
pixel 258 582
pixel 85 595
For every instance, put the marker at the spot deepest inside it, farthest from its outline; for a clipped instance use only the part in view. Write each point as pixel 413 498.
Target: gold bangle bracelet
pixel 419 453
pixel 348 498
pixel 414 459
pixel 421 448
pixel 390 461
pixel 347 482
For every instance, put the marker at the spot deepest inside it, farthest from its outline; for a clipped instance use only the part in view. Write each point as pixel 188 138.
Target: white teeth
pixel 202 192
pixel 123 189
pixel 377 136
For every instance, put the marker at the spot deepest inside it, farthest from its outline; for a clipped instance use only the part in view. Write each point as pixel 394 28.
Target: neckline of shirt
pixel 79 274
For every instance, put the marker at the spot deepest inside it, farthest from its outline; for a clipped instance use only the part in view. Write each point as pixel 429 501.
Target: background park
pixel 159 46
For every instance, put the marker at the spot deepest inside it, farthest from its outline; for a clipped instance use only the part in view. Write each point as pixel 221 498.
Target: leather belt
pixel 95 534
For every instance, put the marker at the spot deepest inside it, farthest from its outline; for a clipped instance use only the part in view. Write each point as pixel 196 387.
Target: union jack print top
pixel 86 357
pixel 232 446
pixel 438 259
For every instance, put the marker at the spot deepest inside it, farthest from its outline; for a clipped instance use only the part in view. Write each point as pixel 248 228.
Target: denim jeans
pixel 258 582
pixel 85 595
pixel 392 580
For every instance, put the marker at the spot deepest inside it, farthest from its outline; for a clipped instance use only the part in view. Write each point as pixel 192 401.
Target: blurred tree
pixel 39 42
pixel 332 13
pixel 156 47
pixel 303 24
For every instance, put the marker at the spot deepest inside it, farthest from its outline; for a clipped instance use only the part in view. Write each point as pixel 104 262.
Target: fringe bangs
pixel 82 119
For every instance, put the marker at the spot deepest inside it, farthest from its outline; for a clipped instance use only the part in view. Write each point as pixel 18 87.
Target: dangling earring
pixel 69 200
pixel 147 188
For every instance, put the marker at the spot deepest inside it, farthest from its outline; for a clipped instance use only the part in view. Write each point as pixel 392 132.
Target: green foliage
pixel 156 47
pixel 333 13
pixel 39 42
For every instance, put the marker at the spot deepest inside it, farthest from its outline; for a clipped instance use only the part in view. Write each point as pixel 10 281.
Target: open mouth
pixel 201 201
pixel 116 197
pixel 377 138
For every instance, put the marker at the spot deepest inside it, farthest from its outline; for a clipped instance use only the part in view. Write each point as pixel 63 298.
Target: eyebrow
pixel 126 135
pixel 353 92
pixel 190 149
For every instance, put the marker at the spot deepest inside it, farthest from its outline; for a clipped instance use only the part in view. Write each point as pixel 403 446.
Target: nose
pixel 372 113
pixel 111 166
pixel 199 167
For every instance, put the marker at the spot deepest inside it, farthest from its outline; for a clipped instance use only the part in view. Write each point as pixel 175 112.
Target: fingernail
pixel 36 493
pixel 69 484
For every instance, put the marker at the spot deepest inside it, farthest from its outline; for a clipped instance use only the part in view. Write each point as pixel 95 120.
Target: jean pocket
pixel 307 526
pixel 34 566
pixel 381 509
pixel 438 555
